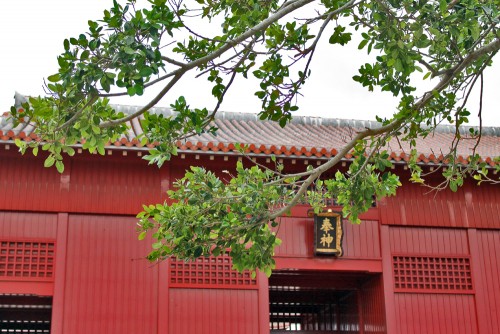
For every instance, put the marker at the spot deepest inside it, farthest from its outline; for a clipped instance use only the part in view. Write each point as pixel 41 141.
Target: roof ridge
pixel 315 120
pixel 298 120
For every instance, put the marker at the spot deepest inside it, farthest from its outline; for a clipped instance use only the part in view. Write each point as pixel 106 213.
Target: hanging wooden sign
pixel 328 233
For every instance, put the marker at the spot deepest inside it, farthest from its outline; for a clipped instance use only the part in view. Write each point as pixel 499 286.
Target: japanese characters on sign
pixel 328 233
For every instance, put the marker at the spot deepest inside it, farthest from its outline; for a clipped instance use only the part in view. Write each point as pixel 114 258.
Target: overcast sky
pixel 32 34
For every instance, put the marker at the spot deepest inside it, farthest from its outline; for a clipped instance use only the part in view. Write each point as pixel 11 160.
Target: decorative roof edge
pixel 25 133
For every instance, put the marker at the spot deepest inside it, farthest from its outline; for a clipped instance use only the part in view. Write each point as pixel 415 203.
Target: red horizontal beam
pixel 371 266
pixel 35 288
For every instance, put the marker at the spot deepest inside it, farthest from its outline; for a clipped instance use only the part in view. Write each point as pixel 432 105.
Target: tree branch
pixel 177 74
pixel 148 106
pixel 395 124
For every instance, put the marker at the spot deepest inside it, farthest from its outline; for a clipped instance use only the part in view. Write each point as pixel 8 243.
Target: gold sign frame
pixel 327 234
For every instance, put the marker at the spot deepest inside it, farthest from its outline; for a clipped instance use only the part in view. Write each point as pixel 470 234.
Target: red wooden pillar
pixel 388 280
pixel 360 312
pixel 163 297
pixel 60 274
pixel 263 303
pixel 163 283
pixel 477 276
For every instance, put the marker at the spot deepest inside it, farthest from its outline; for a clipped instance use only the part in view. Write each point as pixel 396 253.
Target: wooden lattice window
pixel 431 274
pixel 27 260
pixel 209 272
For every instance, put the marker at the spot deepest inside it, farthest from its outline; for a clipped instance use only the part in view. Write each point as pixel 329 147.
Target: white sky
pixel 32 34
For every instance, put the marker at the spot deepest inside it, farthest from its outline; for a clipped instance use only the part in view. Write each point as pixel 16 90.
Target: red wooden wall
pixel 103 285
pixel 213 311
pixel 28 225
pixel 118 185
pixel 372 310
pixel 472 206
pixel 487 270
pixel 359 242
pixel 433 280
pixel 109 286
pixel 24 237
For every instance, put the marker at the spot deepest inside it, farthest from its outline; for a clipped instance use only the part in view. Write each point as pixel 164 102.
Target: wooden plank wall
pixel 424 310
pixel 372 306
pixel 109 287
pixel 359 242
pixel 488 266
pixel 472 206
pixel 213 311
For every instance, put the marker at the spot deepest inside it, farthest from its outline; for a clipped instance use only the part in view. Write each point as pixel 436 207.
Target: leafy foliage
pixel 451 42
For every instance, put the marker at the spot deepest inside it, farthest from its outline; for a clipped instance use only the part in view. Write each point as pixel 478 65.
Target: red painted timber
pixel 163 297
pixel 26 185
pixel 349 319
pixel 487 263
pixel 359 242
pixel 372 306
pixel 331 263
pixel 435 314
pixel 21 225
pixel 388 280
pixel 113 187
pixel 263 303
pixel 60 275
pixel 420 240
pixel 87 185
pixel 471 206
pixel 28 226
pixel 213 311
pixel 110 287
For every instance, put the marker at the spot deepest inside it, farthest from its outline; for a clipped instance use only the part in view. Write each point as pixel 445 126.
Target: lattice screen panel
pixel 432 274
pixel 27 260
pixel 209 272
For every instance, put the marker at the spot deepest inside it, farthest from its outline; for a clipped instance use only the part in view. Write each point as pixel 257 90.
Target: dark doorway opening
pixel 325 302
pixel 25 313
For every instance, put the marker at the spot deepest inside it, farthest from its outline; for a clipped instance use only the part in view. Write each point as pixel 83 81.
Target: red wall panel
pixel 435 314
pixel 372 306
pixel 489 266
pixel 360 241
pixel 349 319
pixel 213 311
pixel 483 205
pixel 18 225
pixel 88 184
pixel 297 236
pixel 27 227
pixel 113 187
pixel 27 185
pixel 471 206
pixel 109 287
pixel 419 240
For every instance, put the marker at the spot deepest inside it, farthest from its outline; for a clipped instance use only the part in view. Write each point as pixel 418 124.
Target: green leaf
pixel 70 151
pixel 129 51
pixel 362 44
pixel 85 55
pixel 49 161
pixel 60 166
pixel 131 91
pixel 142 235
pixel 105 84
pixel 54 77
pixel 146 71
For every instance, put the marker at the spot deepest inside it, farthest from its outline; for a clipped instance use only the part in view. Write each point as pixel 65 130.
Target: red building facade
pixel 70 261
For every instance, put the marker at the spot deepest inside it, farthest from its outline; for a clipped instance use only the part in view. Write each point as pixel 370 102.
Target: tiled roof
pixel 304 137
